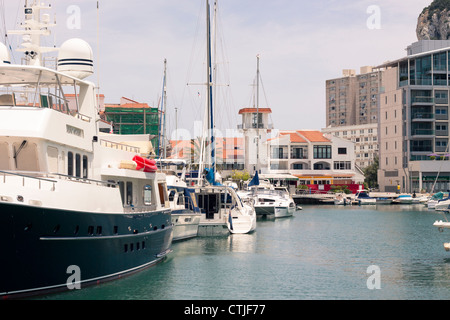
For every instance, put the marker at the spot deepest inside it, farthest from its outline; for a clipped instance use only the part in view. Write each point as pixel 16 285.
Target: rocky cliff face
pixel 434 22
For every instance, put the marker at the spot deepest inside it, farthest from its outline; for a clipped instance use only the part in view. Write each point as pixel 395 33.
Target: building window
pixel 298 166
pixel 342 165
pixel 342 150
pixel 322 152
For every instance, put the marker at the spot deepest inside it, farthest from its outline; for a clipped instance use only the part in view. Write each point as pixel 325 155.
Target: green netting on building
pixel 134 121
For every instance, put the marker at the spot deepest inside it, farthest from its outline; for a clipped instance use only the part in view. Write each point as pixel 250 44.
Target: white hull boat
pixel 362 198
pixel 442 205
pixel 341 199
pixel 403 199
pixel 273 203
pixel 223 212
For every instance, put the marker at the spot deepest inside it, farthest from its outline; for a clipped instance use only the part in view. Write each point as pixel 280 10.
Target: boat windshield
pixel 39 88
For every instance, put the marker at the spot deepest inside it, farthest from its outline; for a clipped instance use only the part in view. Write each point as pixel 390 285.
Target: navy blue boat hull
pixel 44 250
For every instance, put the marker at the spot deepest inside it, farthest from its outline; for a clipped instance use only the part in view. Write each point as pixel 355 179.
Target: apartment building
pixel 352 111
pixel 353 99
pixel 413 120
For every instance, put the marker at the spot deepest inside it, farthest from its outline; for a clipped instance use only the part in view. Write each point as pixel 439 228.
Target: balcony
pixel 422 101
pixel 254 126
pixel 422 116
pixel 422 132
pixel 298 156
pixel 277 156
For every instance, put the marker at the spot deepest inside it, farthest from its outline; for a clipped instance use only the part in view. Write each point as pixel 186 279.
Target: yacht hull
pixel 275 211
pixel 49 250
pixel 185 224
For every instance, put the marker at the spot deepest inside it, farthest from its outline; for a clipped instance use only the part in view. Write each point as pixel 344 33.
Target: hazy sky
pixel 301 44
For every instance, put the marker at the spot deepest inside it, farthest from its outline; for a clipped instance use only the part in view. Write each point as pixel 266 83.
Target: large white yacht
pixel 76 207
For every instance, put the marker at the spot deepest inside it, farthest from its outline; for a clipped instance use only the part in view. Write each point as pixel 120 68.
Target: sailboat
pixel 222 210
pixel 75 208
pixel 185 212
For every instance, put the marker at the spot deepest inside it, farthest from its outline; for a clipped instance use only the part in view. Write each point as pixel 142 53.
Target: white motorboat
pixel 435 198
pixel 403 199
pixel 443 205
pixel 363 198
pixel 274 203
pixel 267 200
pixel 421 199
pixel 342 199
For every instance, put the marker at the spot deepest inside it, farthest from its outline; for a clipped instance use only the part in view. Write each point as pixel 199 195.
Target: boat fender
pixel 149 165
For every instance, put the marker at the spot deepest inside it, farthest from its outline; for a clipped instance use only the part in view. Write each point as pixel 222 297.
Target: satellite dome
pixel 4 55
pixel 75 58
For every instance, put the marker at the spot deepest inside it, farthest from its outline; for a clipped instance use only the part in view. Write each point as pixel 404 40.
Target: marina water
pixel 322 252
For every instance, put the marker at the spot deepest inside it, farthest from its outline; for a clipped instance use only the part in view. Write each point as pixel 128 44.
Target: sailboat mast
pixel 257 113
pixel 165 108
pixel 162 119
pixel 209 87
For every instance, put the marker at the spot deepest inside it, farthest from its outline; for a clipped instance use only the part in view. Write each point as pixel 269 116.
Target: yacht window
pixel 121 190
pixel 85 167
pixel 172 194
pixel 147 195
pixel 78 165
pixel 129 193
pixel 70 163
pixel 180 200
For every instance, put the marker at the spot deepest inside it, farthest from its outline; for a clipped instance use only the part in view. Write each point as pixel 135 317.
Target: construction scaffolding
pixel 134 120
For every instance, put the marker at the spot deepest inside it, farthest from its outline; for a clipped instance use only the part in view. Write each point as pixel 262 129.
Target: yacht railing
pixel 26 178
pixel 53 178
pixel 119 146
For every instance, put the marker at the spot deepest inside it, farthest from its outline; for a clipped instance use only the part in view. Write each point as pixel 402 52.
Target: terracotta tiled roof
pixel 294 137
pixel 254 110
pixel 313 136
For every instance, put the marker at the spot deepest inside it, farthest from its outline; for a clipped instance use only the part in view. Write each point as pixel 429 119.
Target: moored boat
pixel 435 198
pixel 363 198
pixel 222 211
pixel 185 212
pixel 342 199
pixel 403 199
pixel 74 209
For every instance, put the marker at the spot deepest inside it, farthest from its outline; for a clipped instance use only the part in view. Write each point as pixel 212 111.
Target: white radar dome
pixel 75 58
pixel 4 55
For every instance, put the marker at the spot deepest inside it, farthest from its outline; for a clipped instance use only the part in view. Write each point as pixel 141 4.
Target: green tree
pixel 240 175
pixel 371 174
